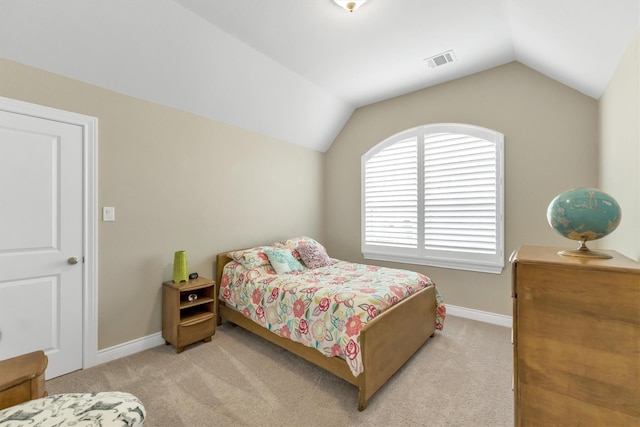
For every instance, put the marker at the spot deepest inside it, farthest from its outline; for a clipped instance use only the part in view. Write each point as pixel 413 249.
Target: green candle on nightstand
pixel 180 269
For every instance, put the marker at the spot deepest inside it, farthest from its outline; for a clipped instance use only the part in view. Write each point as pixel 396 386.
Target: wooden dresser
pixel 576 339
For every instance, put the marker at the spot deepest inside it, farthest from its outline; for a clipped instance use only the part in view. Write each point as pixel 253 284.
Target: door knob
pixel 73 260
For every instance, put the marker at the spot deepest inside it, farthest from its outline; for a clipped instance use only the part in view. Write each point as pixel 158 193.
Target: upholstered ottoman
pixel 77 409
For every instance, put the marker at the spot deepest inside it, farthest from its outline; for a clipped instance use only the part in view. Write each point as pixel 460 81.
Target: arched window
pixel 434 195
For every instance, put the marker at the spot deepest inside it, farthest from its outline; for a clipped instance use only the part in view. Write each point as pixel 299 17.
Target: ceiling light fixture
pixel 350 5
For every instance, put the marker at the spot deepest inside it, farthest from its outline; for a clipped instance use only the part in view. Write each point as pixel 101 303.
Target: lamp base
pixel 584 252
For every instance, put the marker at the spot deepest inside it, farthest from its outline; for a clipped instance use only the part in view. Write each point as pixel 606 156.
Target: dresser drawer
pixel 196 329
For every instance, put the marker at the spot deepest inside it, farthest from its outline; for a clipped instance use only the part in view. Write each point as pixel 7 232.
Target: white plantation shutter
pixel 433 195
pixel 391 195
pixel 459 193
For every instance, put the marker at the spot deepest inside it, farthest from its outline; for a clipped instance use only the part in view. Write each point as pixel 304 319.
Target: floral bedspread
pixel 324 308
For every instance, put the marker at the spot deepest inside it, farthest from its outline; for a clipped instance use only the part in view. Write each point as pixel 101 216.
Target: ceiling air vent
pixel 441 59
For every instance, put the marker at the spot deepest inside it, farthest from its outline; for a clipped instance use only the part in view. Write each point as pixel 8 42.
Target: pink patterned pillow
pixel 314 255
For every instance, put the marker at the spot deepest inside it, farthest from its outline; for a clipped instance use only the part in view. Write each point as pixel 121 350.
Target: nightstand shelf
pixel 187 304
pixel 188 312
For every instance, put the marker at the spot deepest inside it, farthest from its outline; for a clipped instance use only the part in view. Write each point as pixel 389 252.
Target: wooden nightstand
pixel 188 312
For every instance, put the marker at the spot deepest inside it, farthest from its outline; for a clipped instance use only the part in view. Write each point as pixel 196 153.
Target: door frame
pixel 89 127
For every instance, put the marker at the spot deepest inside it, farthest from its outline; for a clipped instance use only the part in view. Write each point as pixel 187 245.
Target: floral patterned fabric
pixel 77 409
pixel 250 258
pixel 324 308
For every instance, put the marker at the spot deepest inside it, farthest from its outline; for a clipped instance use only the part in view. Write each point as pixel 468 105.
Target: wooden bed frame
pixel 386 342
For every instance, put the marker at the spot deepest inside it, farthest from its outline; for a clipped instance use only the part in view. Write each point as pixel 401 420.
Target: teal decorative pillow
pixel 282 260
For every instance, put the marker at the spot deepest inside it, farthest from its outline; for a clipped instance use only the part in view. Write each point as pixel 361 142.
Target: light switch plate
pixel 108 213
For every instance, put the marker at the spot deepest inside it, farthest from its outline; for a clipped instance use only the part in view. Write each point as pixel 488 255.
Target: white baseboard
pixel 154 340
pixel 129 348
pixel 482 316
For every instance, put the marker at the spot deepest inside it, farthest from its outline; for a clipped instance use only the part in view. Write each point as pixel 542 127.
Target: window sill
pixel 441 263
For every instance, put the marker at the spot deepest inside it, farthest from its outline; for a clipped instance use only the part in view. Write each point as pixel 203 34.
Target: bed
pixel 375 318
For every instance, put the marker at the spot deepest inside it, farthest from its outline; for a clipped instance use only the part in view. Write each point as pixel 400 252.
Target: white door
pixel 41 238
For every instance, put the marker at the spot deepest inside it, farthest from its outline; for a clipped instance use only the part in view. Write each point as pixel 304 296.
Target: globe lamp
pixel 584 214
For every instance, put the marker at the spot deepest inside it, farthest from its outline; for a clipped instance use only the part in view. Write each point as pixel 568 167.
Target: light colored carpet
pixel 460 377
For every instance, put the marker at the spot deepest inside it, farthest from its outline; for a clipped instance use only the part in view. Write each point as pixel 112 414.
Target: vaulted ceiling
pixel 295 70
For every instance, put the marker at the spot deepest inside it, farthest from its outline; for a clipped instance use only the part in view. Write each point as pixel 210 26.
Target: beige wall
pixel 178 182
pixel 550 146
pixel 620 150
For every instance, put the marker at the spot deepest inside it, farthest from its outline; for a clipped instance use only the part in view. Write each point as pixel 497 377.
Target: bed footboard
pixel 390 340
